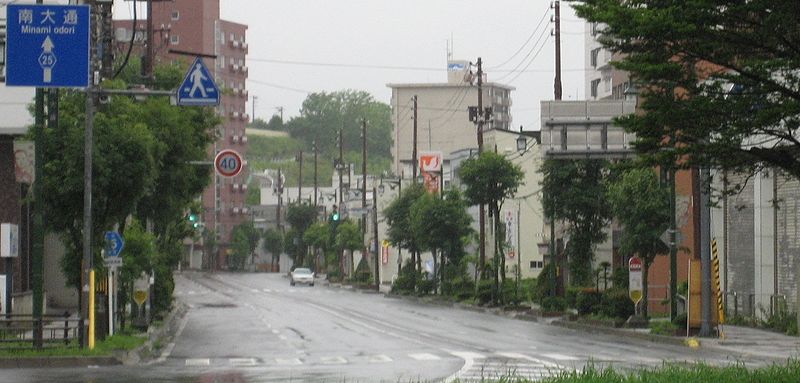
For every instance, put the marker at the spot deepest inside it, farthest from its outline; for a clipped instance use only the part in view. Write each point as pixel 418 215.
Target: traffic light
pixel 194 220
pixel 335 216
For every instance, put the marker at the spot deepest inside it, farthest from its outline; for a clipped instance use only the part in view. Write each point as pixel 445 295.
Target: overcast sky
pixel 410 34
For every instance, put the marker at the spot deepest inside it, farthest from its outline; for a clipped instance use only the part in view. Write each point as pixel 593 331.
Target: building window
pixel 537 264
pixel 174 39
pixel 595 29
pixel 176 15
pixel 595 53
pixel 221 61
pixel 595 84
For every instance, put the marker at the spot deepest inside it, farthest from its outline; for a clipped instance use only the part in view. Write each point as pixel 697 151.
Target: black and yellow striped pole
pixel 715 268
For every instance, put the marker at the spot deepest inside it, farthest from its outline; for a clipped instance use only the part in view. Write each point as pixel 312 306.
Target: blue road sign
pixel 114 244
pixel 198 87
pixel 47 45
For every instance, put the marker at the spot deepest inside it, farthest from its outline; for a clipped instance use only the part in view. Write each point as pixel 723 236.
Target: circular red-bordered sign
pixel 228 163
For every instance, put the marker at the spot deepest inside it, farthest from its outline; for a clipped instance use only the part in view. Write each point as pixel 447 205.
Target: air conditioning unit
pixel 244 45
pixel 245 117
pixel 244 187
pixel 245 210
pixel 244 69
pixel 235 139
pixel 244 139
pixel 235 114
pixel 235 43
pixel 235 187
pixel 235 68
pixel 236 210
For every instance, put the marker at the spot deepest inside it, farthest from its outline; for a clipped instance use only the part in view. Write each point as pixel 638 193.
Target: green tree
pixel 273 244
pixel 641 204
pixel 349 238
pixel 398 217
pixel 490 179
pixel 318 237
pixel 323 114
pixel 442 224
pixel 137 258
pixel 300 216
pixel 244 241
pixel 574 190
pixel 718 79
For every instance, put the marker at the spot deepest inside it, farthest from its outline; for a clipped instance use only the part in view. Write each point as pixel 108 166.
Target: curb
pixel 160 336
pixel 58 361
pixel 621 332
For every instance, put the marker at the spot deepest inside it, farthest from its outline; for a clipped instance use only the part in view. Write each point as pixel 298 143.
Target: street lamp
pixel 522 142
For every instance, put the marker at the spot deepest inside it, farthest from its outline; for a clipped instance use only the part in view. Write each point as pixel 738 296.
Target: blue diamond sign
pixel 114 244
pixel 198 87
pixel 47 45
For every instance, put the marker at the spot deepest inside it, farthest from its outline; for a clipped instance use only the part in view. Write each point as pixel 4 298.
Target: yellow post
pixel 91 309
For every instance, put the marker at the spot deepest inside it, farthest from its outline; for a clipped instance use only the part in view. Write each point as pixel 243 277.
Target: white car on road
pixel 301 275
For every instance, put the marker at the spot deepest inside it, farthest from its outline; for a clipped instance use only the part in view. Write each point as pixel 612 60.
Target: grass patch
pixel 105 347
pixel 784 373
pixel 662 327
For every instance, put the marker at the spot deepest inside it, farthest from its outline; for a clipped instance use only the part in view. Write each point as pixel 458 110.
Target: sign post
pixel 9 249
pixel 635 281
pixel 114 246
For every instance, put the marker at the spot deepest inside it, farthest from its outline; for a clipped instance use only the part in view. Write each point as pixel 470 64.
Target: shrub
pixel 554 304
pixel 615 303
pixel 509 294
pixel 362 274
pixel 485 291
pixel 620 277
pixel 680 320
pixel 528 290
pixel 588 301
pixel 406 281
pixel 543 284
pixel 425 286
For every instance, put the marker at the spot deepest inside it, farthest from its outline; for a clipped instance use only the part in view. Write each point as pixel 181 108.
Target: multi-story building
pixel 184 29
pixel 602 80
pixel 443 122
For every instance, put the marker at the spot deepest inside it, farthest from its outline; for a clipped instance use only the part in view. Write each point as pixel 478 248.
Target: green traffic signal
pixel 335 216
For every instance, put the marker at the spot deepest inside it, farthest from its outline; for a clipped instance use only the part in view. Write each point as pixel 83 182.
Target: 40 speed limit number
pixel 228 163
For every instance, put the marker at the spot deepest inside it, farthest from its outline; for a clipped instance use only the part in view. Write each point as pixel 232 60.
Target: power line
pixel 545 33
pixel 269 84
pixel 533 33
pixel 384 67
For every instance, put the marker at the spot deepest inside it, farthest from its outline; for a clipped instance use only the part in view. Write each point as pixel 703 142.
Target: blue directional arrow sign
pixel 114 244
pixel 198 87
pixel 47 45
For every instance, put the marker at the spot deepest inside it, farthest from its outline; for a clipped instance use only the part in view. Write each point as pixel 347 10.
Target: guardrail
pixel 17 331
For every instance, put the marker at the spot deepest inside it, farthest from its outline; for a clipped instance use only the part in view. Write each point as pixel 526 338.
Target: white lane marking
pixel 198 362
pixel 380 359
pixel 282 337
pixel 191 292
pixel 253 290
pixel 514 355
pixel 560 357
pixel 242 362
pixel 171 346
pixel 469 361
pixel 333 360
pixel 267 290
pixel 288 361
pixel 424 356
pixel 276 332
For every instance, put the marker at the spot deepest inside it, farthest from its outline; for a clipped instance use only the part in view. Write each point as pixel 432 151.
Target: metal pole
pixel 481 207
pixel 557 20
pixel 705 253
pixel 300 178
pixel 414 164
pixel 87 205
pixel 314 144
pixel 377 243
pixel 673 248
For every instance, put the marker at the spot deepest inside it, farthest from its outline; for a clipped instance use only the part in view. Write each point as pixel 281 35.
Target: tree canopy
pixel 641 204
pixel 718 79
pixel 575 191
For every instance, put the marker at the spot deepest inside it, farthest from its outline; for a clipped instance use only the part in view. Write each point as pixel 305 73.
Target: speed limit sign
pixel 228 163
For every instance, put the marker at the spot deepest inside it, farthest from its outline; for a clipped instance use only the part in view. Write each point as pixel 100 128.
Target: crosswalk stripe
pixel 560 357
pixel 333 360
pixel 288 361
pixel 424 356
pixel 379 359
pixel 242 361
pixel 198 362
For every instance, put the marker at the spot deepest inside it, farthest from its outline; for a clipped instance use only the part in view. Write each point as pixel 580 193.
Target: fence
pixel 744 304
pixel 17 331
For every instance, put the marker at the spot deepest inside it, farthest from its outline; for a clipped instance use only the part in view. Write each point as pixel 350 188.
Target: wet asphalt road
pixel 257 328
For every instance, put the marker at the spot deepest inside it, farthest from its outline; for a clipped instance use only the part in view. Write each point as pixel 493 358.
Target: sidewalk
pixel 755 342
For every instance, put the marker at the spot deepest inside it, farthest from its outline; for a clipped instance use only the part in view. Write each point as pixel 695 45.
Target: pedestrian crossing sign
pixel 198 87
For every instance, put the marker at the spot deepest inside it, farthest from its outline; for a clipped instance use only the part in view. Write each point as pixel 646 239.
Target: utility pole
pixel 280 110
pixel 300 177
pixel 414 164
pixel 280 201
pixel 705 252
pixel 481 207
pixel 375 235
pixel 364 173
pixel 253 107
pixel 340 167
pixel 314 146
pixel 557 85
pixel 148 61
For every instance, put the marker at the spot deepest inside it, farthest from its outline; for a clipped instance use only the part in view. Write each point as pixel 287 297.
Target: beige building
pixel 443 122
